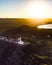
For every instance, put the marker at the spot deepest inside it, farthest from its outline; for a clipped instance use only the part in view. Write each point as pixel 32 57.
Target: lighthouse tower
pixel 20 41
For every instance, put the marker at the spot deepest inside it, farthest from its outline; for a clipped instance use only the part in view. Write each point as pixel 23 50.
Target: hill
pixel 38 52
pixel 28 31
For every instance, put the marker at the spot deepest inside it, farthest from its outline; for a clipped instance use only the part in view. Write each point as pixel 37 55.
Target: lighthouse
pixel 20 41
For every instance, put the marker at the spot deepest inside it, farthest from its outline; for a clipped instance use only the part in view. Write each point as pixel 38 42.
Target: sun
pixel 37 10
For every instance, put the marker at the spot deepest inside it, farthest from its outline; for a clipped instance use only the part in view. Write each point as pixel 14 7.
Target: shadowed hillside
pixel 14 54
pixel 28 31
pixel 42 38
pixel 10 54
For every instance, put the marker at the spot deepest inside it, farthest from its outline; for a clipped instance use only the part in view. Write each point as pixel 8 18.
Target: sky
pixel 20 8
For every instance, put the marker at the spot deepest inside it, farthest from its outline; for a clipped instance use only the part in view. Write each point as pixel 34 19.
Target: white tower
pixel 20 41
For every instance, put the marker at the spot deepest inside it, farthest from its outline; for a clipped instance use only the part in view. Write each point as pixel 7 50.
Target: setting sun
pixel 38 9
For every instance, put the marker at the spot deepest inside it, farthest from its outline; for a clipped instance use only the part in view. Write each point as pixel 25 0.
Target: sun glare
pixel 47 26
pixel 37 10
pixel 42 26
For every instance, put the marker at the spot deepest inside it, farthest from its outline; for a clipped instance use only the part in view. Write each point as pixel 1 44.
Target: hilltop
pixel 28 31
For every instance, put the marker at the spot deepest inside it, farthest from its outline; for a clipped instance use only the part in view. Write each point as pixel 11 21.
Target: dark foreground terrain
pixel 14 54
pixel 38 52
